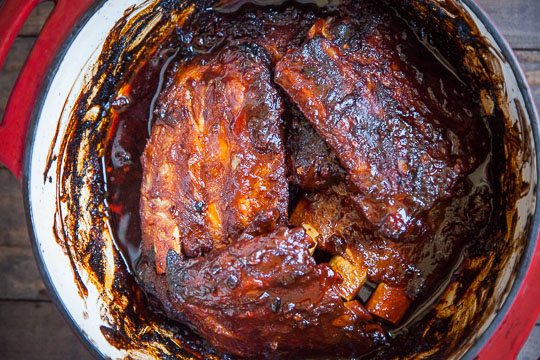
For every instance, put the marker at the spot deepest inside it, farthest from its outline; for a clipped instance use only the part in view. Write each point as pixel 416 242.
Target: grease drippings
pixel 130 130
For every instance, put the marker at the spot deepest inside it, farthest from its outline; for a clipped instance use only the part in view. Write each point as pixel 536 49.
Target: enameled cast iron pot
pixel 52 139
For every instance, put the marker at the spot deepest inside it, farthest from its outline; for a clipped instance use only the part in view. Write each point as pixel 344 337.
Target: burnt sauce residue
pixel 407 264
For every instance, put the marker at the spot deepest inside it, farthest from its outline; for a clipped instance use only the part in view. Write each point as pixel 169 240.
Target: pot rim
pixel 526 258
pixel 534 241
pixel 31 135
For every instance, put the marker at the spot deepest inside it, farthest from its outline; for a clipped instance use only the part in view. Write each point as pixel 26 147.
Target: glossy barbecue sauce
pixel 421 269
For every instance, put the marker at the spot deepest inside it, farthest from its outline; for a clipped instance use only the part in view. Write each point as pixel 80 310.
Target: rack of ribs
pixel 403 128
pixel 215 156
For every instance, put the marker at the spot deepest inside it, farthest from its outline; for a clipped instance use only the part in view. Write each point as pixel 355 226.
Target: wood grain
pixel 531 349
pixel 13 228
pixel 37 18
pixel 36 330
pixel 536 94
pixel 19 276
pixel 517 20
pixel 530 63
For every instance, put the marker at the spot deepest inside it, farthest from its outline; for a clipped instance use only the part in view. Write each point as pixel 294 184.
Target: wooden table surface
pixel 30 325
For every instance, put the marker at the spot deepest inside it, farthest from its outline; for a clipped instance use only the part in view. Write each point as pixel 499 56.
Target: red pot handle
pixel 21 103
pixel 514 329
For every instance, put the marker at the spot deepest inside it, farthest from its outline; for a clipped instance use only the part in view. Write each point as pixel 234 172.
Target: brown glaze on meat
pixel 330 217
pixel 279 32
pixel 265 295
pixel 215 156
pixel 276 30
pixel 331 214
pixel 405 129
pixel 310 163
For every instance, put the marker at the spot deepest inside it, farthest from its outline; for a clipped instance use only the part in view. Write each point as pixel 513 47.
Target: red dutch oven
pixel 39 129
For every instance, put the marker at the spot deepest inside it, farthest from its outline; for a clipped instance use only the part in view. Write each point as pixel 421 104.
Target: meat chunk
pixel 215 156
pixel 332 220
pixel 328 216
pixel 277 30
pixel 284 31
pixel 352 273
pixel 310 163
pixel 214 200
pixel 388 303
pixel 405 129
pixel 265 295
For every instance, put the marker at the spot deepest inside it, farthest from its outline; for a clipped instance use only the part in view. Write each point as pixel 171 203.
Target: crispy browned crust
pixel 265 295
pixel 405 131
pixel 331 218
pixel 215 156
pixel 310 163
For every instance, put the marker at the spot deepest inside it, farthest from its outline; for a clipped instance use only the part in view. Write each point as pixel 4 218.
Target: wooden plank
pixel 531 349
pixel 536 94
pixel 530 63
pixel 533 77
pixel 36 331
pixel 20 50
pixel 12 66
pixel 529 58
pixel 517 20
pixel 13 219
pixel 19 275
pixel 36 19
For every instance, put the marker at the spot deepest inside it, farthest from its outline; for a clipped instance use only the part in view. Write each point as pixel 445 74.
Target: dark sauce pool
pixel 233 22
pixel 129 134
